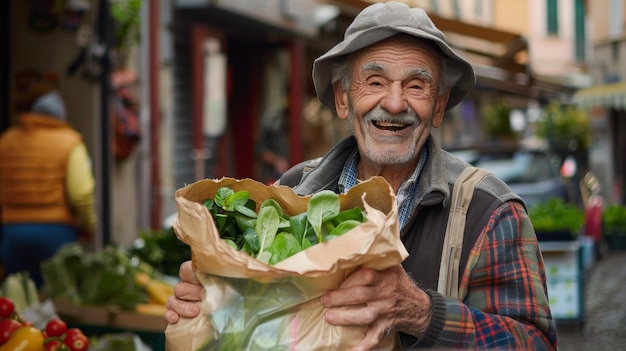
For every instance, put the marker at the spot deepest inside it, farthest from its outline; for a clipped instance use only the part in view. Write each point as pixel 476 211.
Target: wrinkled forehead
pixel 401 46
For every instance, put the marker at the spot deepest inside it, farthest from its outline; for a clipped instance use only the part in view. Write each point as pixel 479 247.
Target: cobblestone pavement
pixel 604 323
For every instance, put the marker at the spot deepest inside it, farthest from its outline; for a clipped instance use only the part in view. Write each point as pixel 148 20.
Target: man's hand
pixel 386 301
pixel 187 294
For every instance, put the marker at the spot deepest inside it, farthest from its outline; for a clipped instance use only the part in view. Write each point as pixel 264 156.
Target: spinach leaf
pixel 231 243
pixel 266 228
pixel 353 214
pixel 299 225
pixel 208 203
pixel 245 210
pixel 221 196
pixel 237 200
pixel 322 206
pixel 273 203
pixel 251 242
pixel 244 222
pixel 342 228
pixel 284 245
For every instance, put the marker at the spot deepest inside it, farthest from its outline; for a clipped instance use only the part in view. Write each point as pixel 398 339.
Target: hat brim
pixel 323 66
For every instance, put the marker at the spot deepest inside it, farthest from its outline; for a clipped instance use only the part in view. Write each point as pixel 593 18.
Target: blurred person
pixel 391 79
pixel 46 183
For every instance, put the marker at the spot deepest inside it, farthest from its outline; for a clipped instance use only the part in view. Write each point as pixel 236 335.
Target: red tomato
pixel 55 345
pixel 55 327
pixel 7 327
pixel 74 331
pixel 76 340
pixel 6 307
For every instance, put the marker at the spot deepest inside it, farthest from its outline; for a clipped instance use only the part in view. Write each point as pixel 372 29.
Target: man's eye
pixel 416 84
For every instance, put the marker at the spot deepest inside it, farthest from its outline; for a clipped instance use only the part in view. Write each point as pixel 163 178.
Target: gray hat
pixel 380 21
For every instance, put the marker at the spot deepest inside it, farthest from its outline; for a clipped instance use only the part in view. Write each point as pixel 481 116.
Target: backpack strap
pixel 462 194
pixel 294 175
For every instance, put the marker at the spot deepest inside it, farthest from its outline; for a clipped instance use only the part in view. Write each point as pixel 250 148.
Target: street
pixel 604 326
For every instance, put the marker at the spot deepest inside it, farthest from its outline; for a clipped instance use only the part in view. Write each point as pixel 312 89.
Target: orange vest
pixel 33 167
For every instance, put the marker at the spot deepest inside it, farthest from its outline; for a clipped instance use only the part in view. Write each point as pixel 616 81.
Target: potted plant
pixel 556 220
pixel 497 120
pixel 614 226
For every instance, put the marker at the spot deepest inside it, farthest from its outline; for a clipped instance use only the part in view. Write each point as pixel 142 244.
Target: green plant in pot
pixel 614 226
pixel 556 220
pixel 614 220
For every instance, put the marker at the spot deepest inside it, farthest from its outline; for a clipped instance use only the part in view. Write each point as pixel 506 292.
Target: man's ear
pixel 440 109
pixel 341 101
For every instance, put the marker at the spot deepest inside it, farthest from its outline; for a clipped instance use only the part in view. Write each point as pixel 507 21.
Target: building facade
pixel 605 98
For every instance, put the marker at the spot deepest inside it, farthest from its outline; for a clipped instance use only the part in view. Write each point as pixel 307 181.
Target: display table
pixel 564 274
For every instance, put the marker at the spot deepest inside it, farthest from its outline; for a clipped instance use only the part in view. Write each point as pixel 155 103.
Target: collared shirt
pixel 406 193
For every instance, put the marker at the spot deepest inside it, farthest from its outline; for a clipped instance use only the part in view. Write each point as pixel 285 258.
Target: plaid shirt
pixel 503 302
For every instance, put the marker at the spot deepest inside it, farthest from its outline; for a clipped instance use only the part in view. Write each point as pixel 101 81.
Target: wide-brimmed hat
pixel 380 21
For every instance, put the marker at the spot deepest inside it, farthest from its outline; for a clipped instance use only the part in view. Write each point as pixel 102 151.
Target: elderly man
pixel 392 78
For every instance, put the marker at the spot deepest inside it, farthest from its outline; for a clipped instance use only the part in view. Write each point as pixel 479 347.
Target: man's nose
pixel 395 99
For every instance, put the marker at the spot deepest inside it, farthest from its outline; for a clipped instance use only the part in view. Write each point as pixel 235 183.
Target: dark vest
pixel 424 234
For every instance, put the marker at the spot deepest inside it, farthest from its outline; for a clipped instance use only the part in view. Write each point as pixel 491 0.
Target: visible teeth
pixel 389 124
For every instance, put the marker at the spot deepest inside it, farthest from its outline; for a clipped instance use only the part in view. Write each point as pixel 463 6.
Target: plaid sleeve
pixel 503 290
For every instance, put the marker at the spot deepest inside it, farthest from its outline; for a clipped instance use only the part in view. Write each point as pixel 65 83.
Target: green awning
pixel 612 95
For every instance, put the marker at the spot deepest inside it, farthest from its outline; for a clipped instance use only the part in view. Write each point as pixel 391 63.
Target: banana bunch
pixel 158 290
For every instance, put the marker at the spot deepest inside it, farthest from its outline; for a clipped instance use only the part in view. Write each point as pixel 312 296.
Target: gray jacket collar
pixel 438 175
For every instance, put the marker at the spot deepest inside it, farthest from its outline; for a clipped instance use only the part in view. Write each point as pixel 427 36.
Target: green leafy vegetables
pixel 270 235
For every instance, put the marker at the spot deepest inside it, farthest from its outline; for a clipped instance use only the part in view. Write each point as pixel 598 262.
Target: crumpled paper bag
pixel 250 305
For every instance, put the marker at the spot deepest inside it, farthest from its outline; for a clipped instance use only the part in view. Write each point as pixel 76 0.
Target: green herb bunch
pixel 555 214
pixel 269 234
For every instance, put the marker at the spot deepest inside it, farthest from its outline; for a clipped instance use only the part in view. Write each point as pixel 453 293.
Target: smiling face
pixel 392 102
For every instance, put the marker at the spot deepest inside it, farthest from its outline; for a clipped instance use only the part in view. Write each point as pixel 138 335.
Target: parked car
pixel 532 172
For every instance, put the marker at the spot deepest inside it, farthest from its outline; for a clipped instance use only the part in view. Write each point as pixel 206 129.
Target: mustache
pixel 378 114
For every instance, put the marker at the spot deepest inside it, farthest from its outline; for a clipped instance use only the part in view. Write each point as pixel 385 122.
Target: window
pixel 478 9
pixel 552 17
pixel 616 18
pixel 457 9
pixel 579 18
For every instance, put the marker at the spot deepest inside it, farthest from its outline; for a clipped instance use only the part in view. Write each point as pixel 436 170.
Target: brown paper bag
pixel 250 305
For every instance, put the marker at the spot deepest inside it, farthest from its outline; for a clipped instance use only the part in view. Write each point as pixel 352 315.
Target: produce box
pixel 139 321
pixel 97 315
pixel 250 304
pixel 67 309
pixel 109 317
